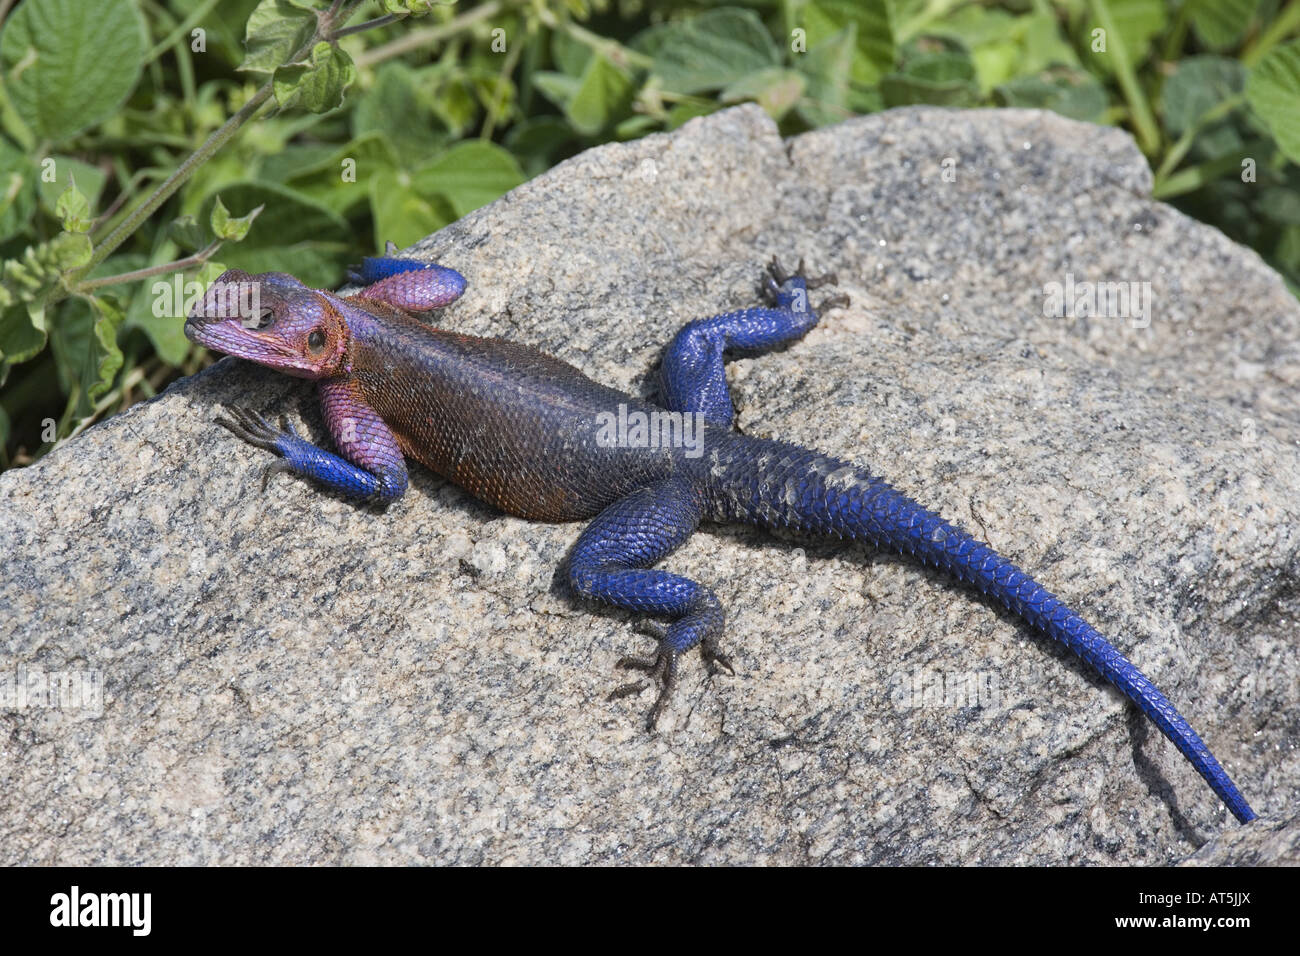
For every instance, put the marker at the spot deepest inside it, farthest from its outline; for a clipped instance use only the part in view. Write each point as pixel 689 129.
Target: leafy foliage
pixel 140 157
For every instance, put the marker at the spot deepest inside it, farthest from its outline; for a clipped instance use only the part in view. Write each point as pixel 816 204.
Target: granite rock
pixel 288 678
pixel 1270 842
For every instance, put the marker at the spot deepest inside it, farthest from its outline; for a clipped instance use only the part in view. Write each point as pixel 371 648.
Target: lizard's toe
pixel 662 668
pixel 249 426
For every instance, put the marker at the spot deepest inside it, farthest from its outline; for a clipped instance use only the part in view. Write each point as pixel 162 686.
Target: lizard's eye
pixel 316 340
pixel 261 320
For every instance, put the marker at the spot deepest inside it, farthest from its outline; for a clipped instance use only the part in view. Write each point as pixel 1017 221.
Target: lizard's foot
pixel 662 668
pixel 248 425
pixel 253 428
pixel 702 626
pixel 778 277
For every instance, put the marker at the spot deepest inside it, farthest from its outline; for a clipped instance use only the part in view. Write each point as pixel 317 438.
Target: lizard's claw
pixel 248 425
pixel 778 273
pixel 771 290
pixel 662 668
pixel 839 301
pixel 714 657
pixel 814 282
pixel 274 468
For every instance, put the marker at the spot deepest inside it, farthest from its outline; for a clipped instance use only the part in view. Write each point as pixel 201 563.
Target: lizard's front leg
pixel 373 467
pixel 611 562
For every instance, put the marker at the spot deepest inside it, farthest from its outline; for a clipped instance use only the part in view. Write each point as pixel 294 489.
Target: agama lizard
pixel 522 430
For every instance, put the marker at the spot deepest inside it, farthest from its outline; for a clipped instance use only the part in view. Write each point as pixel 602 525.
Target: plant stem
pixel 1276 32
pixel 1193 178
pixel 181 30
pixel 200 257
pixel 1144 121
pixel 183 172
pixel 1180 148
pixel 418 38
pixel 368 25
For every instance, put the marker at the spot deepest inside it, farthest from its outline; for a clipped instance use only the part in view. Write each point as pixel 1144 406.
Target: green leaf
pixel 685 112
pixel 709 51
pixel 68 251
pixel 22 333
pixel 17 197
pixel 603 96
pixel 295 159
pixel 225 226
pixel 224 33
pixel 559 88
pixel 635 127
pixel 294 234
pixel 456 101
pixel 1003 46
pixel 407 8
pixel 402 216
pixel 73 209
pixel 826 68
pixel 276 30
pixel 319 86
pixel 996 62
pixel 69 64
pixel 1221 23
pixel 1043 44
pixel 1073 93
pixel 946 79
pixel 109 316
pixel 1280 204
pixel 342 178
pixel 66 170
pixel 874 20
pixel 186 232
pixel 537 141
pixel 569 54
pixel 209 272
pixel 1274 92
pixel 83 340
pixel 469 175
pixel 394 107
pixel 1199 84
pixel 775 89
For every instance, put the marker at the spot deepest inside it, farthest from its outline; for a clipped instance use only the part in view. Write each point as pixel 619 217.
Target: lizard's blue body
pixel 523 431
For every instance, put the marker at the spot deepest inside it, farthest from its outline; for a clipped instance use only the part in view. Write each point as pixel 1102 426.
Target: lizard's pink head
pixel 274 320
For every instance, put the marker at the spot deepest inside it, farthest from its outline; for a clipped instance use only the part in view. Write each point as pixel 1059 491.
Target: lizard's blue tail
pixel 776 484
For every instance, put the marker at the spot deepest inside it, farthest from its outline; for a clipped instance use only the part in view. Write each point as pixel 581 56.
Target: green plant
pixel 277 134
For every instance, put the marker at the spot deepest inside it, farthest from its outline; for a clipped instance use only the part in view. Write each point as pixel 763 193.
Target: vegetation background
pixel 142 140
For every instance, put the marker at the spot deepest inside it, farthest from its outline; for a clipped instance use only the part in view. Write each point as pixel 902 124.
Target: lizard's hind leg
pixel 612 560
pixel 692 375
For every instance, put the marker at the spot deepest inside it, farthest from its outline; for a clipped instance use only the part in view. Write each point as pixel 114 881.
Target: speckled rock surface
pixel 289 678
pixel 1271 842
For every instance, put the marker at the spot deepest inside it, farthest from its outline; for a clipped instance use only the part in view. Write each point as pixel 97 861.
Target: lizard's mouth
pixel 236 337
pixel 223 335
pixel 235 316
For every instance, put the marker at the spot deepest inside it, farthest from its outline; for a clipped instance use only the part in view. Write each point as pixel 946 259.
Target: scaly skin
pixel 532 435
